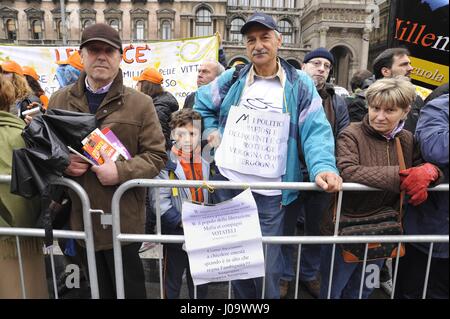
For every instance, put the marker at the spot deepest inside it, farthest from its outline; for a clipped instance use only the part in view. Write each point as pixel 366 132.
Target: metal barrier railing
pixel 118 237
pixel 87 236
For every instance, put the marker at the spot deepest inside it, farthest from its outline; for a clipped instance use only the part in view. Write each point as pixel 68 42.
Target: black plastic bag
pixel 46 156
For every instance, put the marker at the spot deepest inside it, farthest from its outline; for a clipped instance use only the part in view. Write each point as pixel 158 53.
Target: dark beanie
pixel 319 53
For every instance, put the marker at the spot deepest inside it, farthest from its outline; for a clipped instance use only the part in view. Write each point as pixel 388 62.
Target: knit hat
pixel 11 67
pixel 74 60
pixel 151 75
pixel 28 70
pixel 319 53
pixel 101 32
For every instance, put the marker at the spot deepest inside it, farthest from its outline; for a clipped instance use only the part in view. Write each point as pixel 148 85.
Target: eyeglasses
pixel 318 64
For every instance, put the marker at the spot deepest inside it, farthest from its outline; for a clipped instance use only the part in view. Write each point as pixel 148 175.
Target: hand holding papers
pixel 106 142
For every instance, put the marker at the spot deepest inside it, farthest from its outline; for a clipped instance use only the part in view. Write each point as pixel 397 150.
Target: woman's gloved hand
pixel 416 180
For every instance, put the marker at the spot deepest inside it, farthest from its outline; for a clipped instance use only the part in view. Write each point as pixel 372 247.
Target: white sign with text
pixel 224 241
pixel 254 142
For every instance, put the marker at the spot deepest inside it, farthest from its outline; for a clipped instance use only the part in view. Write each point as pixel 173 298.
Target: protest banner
pixel 177 60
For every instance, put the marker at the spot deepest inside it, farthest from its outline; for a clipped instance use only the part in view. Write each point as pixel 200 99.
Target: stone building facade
pixel 342 26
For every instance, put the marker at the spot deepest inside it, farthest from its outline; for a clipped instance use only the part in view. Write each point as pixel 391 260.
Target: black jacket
pixel 165 105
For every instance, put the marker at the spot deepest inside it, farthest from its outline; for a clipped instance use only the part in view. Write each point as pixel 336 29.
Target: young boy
pixel 185 163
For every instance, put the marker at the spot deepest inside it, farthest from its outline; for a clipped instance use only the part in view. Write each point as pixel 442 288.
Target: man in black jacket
pixel 317 64
pixel 395 62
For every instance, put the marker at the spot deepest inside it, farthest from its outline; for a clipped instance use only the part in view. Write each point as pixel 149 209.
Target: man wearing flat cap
pixel 132 117
pixel 269 97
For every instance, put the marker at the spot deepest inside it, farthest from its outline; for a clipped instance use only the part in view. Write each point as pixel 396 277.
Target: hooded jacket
pixel 15 211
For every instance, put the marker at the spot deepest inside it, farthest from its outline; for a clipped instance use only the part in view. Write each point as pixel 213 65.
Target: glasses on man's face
pixel 318 64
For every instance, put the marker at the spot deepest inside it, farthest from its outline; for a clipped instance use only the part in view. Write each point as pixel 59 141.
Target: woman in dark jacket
pixel 150 83
pixel 366 154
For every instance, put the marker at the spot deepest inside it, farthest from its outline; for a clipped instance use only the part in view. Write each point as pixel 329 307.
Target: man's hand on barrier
pixel 107 172
pixel 77 166
pixel 329 182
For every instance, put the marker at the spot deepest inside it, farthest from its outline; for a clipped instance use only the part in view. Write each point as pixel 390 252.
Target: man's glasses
pixel 318 64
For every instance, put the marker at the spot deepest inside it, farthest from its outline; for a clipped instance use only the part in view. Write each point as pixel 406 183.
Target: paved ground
pixel 151 267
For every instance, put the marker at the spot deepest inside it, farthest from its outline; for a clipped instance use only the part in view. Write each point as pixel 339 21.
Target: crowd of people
pixel 328 140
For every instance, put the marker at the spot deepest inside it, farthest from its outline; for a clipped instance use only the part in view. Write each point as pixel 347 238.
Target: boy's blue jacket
pixel 308 120
pixel 171 205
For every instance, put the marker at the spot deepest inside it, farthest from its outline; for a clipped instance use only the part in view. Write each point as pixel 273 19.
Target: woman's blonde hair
pixel 391 91
pixel 7 95
pixel 22 89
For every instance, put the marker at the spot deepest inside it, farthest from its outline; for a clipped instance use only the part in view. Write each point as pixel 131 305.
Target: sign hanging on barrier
pixel 224 241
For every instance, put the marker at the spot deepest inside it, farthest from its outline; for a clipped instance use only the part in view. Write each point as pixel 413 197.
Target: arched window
pixel 286 30
pixel 166 30
pixel 114 23
pixel 235 30
pixel 203 22
pixel 139 30
pixel 11 29
pixel 36 29
pixel 87 23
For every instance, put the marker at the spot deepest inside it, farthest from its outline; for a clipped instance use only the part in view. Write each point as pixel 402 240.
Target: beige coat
pixel 132 117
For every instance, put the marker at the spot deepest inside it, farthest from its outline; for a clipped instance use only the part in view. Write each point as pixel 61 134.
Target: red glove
pixel 415 181
pixel 418 197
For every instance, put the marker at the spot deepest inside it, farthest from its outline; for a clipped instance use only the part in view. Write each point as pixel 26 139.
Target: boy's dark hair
pixel 358 79
pixel 184 117
pixel 385 60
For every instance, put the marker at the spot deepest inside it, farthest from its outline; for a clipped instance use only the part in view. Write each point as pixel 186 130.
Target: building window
pixel 232 3
pixel 278 4
pixel 203 22
pixel 235 30
pixel 139 30
pixel 114 23
pixel 11 29
pixel 286 30
pixel 166 30
pixel 36 30
pixel 255 3
pixel 266 3
pixel 59 30
pixel 86 23
pixel 243 3
pixel 290 4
